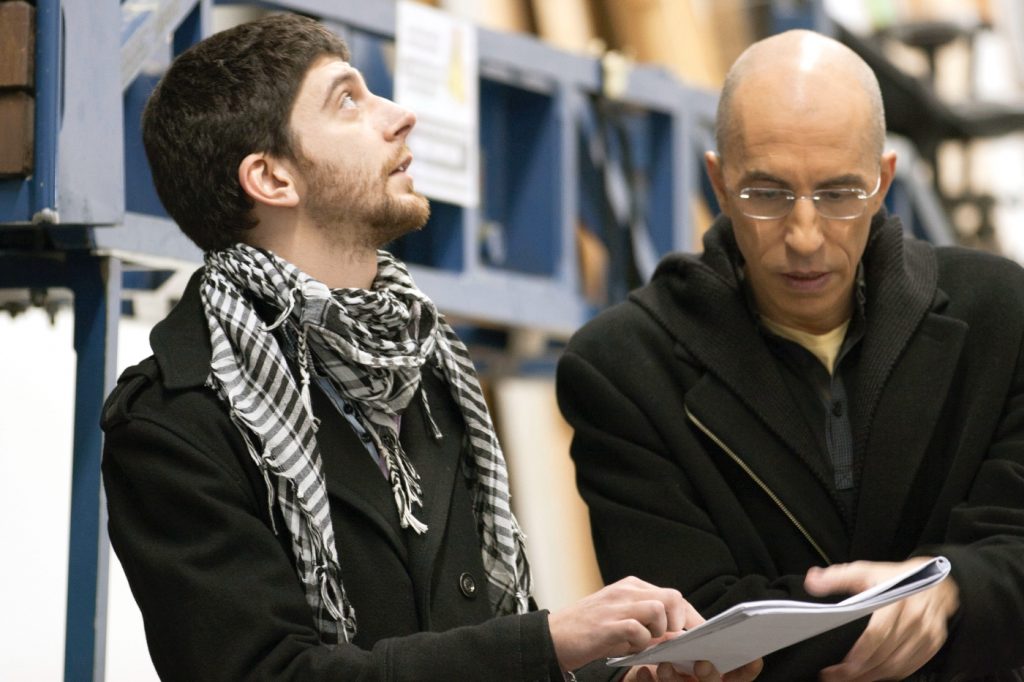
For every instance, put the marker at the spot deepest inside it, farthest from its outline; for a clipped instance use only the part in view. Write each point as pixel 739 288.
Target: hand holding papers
pixel 754 629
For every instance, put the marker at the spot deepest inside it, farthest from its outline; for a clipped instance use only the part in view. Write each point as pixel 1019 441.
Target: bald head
pixel 804 71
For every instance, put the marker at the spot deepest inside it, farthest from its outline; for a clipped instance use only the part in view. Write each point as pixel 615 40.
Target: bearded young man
pixel 303 481
pixel 814 389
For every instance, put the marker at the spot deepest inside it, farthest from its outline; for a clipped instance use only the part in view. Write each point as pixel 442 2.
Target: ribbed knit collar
pixel 699 300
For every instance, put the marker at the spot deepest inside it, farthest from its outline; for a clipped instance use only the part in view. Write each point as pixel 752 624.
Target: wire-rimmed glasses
pixel 772 203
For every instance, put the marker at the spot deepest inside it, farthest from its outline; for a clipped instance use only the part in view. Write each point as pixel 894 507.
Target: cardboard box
pixel 17 44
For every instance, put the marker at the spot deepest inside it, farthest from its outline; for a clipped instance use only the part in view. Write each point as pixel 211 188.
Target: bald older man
pixel 814 390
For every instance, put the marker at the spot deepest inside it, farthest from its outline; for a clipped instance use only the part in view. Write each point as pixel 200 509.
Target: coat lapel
pixel 906 367
pixel 717 330
pixel 902 279
pixel 352 476
pixel 438 464
pixel 905 417
pixel 355 479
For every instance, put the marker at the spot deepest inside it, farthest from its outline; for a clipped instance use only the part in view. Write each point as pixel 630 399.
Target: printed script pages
pixel 751 630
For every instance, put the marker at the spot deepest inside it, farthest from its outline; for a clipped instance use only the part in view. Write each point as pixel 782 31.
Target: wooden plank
pixel 16 118
pixel 666 32
pixel 17 44
pixel 567 24
pixel 732 25
pixel 594 260
pixel 512 16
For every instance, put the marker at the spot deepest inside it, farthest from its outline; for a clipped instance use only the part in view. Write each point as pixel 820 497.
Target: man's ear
pixel 268 180
pixel 713 164
pixel 888 173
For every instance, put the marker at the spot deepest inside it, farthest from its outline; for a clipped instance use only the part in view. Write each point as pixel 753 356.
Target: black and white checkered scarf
pixel 371 344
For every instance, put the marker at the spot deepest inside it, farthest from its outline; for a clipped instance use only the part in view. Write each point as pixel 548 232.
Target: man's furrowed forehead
pixel 837 179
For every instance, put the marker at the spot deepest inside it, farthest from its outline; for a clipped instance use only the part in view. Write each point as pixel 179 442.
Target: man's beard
pixel 337 196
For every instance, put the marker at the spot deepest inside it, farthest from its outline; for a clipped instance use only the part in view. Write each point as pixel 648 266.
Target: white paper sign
pixel 436 77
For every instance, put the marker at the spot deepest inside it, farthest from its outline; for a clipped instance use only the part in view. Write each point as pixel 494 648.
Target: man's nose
pixel 399 120
pixel 803 227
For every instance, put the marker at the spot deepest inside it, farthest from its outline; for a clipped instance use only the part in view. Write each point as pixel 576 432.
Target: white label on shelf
pixel 436 77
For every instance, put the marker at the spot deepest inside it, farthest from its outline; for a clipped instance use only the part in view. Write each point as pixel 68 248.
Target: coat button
pixel 467 585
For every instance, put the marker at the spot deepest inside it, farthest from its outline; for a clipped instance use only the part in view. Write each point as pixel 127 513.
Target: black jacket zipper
pixel 761 484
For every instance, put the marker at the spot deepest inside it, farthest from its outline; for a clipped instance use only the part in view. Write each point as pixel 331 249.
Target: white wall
pixel 37 369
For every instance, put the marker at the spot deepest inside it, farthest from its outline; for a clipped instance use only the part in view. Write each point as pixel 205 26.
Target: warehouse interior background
pixel 965 177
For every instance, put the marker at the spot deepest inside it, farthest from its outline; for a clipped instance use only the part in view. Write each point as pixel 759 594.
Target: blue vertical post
pixel 191 29
pixel 47 110
pixel 96 282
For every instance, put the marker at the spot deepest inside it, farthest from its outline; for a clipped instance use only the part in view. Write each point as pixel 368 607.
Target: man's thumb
pixel 822 581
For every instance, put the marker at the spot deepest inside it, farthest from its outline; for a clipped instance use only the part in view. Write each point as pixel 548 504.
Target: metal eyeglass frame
pixel 792 197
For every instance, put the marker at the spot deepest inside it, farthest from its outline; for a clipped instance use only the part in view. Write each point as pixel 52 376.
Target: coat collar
pixel 901 378
pixel 181 341
pixel 700 303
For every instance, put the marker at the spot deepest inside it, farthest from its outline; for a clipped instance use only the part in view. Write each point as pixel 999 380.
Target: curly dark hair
pixel 224 98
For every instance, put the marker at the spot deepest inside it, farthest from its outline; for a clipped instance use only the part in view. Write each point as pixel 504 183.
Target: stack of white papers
pixel 754 629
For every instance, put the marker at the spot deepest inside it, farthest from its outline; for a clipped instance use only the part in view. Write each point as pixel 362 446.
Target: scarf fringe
pixel 438 436
pixel 261 464
pixel 405 485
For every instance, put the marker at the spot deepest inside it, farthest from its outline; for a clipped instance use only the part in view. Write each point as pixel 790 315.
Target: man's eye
pixel 347 102
pixel 767 194
pixel 834 195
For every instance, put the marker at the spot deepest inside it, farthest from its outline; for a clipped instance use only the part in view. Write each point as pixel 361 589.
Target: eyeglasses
pixel 770 203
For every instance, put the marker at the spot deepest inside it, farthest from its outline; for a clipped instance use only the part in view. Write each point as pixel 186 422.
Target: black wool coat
pixel 702 474
pixel 189 521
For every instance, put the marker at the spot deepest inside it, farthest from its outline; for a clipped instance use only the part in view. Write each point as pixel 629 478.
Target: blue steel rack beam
pixel 145 24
